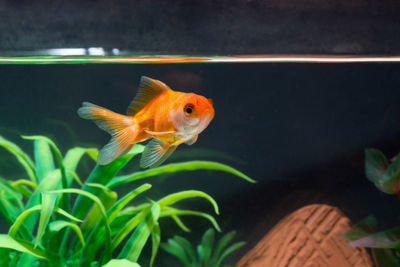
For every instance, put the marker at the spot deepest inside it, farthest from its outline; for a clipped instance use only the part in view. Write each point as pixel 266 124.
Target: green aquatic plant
pixel 56 219
pixel 207 254
pixel 384 244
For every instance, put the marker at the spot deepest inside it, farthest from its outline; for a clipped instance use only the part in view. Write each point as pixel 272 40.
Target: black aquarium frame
pixel 202 26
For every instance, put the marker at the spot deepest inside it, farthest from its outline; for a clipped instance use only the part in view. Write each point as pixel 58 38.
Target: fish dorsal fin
pixel 148 89
pixel 155 153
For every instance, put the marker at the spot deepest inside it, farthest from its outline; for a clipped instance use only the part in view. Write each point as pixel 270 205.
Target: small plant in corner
pixel 385 245
pixel 207 254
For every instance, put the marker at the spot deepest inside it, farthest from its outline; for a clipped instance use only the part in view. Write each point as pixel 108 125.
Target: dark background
pixel 203 26
pixel 300 130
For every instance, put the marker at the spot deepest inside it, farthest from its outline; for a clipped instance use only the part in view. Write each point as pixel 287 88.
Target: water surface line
pixel 162 59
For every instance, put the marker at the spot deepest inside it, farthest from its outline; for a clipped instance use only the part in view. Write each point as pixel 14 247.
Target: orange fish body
pixel 169 117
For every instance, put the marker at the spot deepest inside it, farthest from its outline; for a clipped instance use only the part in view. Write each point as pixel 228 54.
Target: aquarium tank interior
pixel 200 133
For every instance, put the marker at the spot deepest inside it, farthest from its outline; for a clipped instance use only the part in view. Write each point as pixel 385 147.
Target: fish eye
pixel 188 109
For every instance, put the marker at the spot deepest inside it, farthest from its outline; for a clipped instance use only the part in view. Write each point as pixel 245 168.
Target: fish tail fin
pixel 122 129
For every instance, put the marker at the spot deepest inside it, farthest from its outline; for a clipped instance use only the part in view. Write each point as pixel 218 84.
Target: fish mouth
pixel 206 113
pixel 209 114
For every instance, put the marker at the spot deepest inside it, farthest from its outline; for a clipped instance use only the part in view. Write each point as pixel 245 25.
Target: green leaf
pixel 102 174
pixel 175 197
pixel 11 193
pixel 175 167
pixel 384 239
pixel 64 200
pixel 74 155
pixel 56 226
pixel 120 204
pixel 138 239
pixel 97 201
pixel 22 189
pixel 129 226
pixel 107 197
pixel 26 260
pixel 168 211
pixel 8 242
pixel 376 164
pixel 24 182
pixel 362 229
pixel 22 158
pixel 21 218
pixel 120 263
pixel 229 250
pixel 127 214
pixel 48 203
pixel 94 240
pixel 200 253
pixel 389 182
pixel 222 243
pixel 179 222
pixel 11 212
pixel 75 176
pixel 155 237
pixel 43 159
pixel 206 244
pixel 188 248
pixel 4 257
pixel 10 201
pixel 93 153
pixel 385 258
pixel 177 250
pixel 50 182
pixel 72 159
pixel 57 153
pixel 66 214
pixel 132 210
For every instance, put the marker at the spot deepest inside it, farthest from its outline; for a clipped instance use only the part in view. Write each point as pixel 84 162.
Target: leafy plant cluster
pixel 384 244
pixel 57 220
pixel 207 254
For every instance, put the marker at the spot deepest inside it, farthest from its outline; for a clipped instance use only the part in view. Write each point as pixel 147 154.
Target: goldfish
pixel 167 117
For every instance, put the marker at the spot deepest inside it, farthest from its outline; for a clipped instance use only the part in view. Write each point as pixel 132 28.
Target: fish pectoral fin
pixel 148 89
pixel 192 141
pixel 159 133
pixel 155 153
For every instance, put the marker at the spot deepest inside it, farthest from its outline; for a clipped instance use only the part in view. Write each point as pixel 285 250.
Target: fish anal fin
pixel 148 90
pixel 155 153
pixel 119 144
